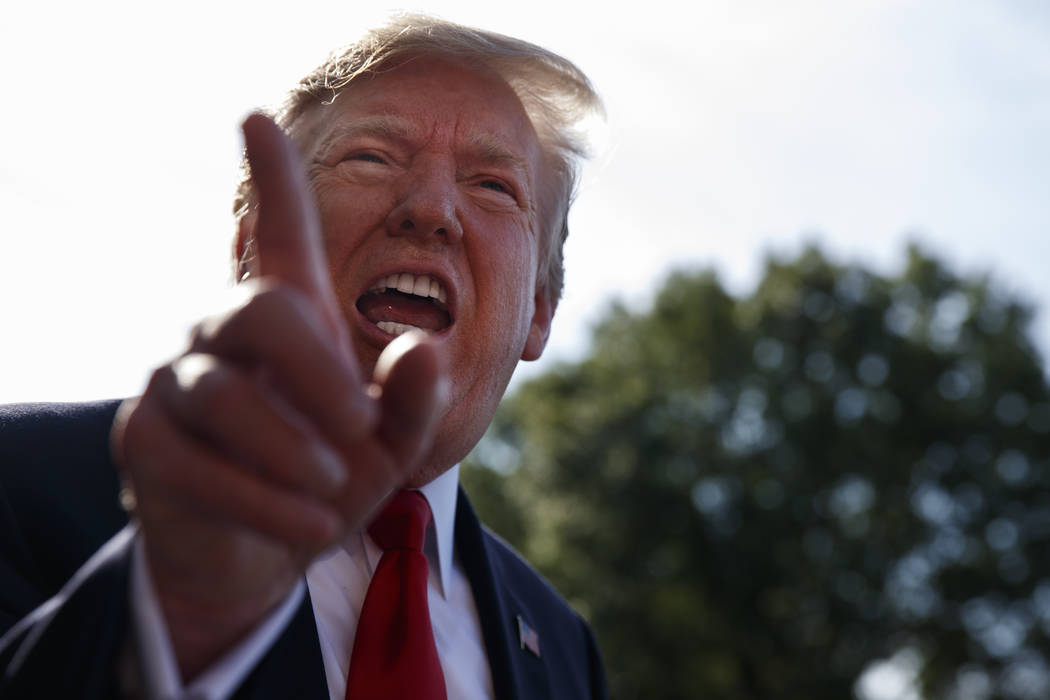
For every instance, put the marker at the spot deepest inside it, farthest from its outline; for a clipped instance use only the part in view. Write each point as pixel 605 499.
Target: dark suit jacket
pixel 58 510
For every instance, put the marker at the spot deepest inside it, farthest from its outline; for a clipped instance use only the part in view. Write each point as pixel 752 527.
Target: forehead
pixel 428 98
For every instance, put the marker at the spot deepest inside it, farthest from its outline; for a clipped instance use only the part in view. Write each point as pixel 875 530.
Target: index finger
pixel 288 237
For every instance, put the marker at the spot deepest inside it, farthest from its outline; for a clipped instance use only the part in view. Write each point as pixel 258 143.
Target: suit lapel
pixel 47 655
pixel 516 672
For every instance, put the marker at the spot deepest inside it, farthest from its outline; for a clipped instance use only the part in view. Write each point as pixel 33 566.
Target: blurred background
pixel 791 436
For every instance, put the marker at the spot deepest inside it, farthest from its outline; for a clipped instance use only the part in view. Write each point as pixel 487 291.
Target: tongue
pixel 403 308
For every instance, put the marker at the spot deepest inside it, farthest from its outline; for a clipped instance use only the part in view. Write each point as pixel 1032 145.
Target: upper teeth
pixel 419 285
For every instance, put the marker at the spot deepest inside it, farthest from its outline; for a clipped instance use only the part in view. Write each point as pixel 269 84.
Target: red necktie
pixel 394 654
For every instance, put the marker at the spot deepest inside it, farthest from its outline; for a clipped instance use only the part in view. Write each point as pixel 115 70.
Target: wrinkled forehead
pixel 461 95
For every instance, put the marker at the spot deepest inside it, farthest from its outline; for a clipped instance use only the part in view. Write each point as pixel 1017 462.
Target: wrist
pixel 207 609
pixel 203 631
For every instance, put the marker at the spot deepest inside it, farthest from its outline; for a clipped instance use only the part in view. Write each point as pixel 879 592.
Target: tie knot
pixel 402 524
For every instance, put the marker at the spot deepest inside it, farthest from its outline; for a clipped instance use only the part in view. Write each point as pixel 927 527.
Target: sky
pixel 735 130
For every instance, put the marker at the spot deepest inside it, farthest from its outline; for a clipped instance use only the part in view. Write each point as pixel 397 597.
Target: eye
pixel 496 186
pixel 366 157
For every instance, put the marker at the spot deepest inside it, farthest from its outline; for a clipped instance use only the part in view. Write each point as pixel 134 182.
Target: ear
pixel 540 329
pixel 244 246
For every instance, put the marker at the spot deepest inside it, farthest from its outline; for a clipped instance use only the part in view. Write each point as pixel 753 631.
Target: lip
pixel 381 338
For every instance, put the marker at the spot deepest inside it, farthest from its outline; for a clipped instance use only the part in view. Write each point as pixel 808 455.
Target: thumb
pixel 414 386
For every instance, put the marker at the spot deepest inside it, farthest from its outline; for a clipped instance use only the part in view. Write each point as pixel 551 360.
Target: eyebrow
pixel 484 147
pixel 489 149
pixel 381 126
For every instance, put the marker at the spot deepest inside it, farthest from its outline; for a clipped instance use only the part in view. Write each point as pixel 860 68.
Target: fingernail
pixel 443 390
pixel 331 467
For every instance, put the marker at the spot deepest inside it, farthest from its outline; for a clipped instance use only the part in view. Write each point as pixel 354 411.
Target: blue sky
pixel 735 129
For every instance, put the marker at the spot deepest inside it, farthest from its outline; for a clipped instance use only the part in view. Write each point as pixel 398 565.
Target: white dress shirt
pixel 338 581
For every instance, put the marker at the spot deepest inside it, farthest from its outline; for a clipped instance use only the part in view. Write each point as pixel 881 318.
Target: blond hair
pixel 556 95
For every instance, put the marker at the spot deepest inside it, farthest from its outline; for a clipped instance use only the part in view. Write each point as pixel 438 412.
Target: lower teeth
pixel 398 328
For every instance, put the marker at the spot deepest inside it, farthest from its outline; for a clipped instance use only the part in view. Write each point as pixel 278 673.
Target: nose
pixel 426 207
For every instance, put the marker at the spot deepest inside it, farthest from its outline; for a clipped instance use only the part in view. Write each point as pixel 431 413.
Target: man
pixel 437 172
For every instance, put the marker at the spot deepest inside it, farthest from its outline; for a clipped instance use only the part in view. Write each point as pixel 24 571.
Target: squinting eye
pixel 495 186
pixel 366 157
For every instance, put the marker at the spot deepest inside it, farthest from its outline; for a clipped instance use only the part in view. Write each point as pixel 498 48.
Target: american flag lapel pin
pixel 528 638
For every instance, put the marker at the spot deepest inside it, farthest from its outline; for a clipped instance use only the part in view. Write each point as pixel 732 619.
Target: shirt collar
pixel 442 494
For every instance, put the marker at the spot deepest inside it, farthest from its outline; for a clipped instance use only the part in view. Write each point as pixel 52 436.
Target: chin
pixel 423 476
pixel 440 458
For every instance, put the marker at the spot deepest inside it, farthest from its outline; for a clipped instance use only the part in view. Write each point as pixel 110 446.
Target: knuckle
pixel 270 305
pixel 277 298
pixel 138 435
pixel 256 309
pixel 161 380
pixel 203 333
pixel 211 389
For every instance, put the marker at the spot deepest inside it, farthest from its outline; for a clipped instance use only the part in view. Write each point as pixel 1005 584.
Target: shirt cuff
pixel 159 669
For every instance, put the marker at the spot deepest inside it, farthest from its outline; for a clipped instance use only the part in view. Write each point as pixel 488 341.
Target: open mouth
pixel 402 302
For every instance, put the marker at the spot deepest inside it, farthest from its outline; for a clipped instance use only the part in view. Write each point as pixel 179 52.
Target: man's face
pixel 426 181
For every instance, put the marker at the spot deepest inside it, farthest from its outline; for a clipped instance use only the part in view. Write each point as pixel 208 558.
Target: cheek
pixel 348 216
pixel 512 267
pixel 510 241
pixel 521 268
pixel 508 254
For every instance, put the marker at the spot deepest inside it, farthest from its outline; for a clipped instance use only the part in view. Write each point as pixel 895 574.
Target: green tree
pixel 758 497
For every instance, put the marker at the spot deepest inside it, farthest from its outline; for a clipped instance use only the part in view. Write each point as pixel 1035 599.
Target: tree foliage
pixel 760 497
